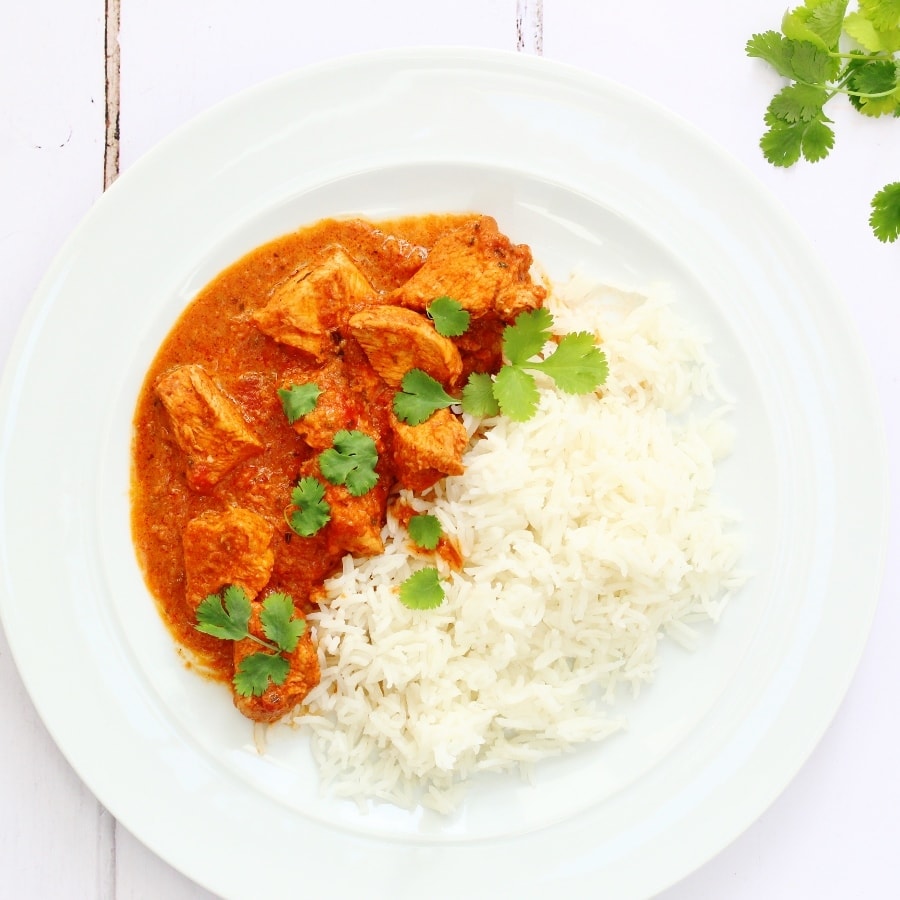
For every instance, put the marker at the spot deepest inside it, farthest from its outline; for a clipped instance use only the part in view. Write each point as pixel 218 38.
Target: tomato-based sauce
pixel 219 335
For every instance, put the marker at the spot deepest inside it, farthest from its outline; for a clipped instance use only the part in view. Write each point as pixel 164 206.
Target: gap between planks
pixel 112 93
pixel 530 26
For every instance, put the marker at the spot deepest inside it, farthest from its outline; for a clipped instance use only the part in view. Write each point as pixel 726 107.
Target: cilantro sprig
pixel 226 615
pixel 885 215
pixel 808 53
pixel 449 317
pixel 422 590
pixel 299 399
pixel 425 530
pixel 419 397
pixel 577 366
pixel 351 461
pixel 310 510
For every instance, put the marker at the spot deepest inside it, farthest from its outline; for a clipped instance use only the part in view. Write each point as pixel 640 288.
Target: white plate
pixel 591 176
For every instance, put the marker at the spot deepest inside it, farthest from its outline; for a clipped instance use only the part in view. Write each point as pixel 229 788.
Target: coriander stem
pixel 836 54
pixel 263 643
pixel 865 96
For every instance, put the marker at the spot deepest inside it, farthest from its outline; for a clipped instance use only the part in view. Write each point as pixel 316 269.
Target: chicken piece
pixel 396 340
pixel 305 310
pixel 424 453
pixel 278 699
pixel 479 267
pixel 356 522
pixel 338 407
pixel 222 548
pixel 207 425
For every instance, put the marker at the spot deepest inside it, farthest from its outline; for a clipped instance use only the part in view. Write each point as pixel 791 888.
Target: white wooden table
pixel 87 86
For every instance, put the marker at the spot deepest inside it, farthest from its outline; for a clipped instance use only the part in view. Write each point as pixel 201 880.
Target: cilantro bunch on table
pixel 826 51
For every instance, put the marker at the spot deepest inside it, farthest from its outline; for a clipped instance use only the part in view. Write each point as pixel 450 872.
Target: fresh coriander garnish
pixel 449 317
pixel 807 53
pixel 425 530
pixel 478 396
pixel 577 366
pixel 298 400
pixel 311 510
pixel 226 615
pixel 516 393
pixel 885 216
pixel 255 672
pixel 422 590
pixel 419 396
pixel 351 461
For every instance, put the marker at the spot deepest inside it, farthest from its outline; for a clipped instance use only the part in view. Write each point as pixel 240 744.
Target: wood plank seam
pixel 530 26
pixel 112 92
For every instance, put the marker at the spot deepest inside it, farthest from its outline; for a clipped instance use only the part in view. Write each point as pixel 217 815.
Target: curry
pixel 341 305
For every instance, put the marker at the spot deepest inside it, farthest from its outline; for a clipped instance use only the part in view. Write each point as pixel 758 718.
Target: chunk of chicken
pixel 424 453
pixel 338 407
pixel 356 522
pixel 305 310
pixel 479 267
pixel 230 547
pixel 396 340
pixel 206 424
pixel 278 699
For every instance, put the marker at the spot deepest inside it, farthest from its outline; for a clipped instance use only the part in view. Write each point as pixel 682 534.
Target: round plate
pixel 594 178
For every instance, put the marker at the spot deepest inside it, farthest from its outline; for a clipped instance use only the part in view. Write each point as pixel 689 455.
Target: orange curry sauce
pixel 217 332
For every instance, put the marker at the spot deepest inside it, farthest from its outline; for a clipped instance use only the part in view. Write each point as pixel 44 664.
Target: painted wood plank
pixel 55 839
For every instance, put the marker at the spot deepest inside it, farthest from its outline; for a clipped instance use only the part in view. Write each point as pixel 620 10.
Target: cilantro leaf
pixel 881 13
pixel 577 365
pixel 312 510
pixel 773 48
pixel 798 103
pixel 873 39
pixel 478 395
pixel 873 75
pixel 516 393
pixel 819 22
pixel 527 335
pixel 449 317
pixel 872 82
pixel 419 396
pixel 885 215
pixel 254 672
pixel 422 590
pixel 425 530
pixel 784 142
pixel 800 60
pixel 225 616
pixel 811 64
pixel 351 461
pixel 298 400
pixel 279 622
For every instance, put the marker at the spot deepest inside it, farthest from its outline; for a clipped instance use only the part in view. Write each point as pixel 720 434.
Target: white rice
pixel 588 533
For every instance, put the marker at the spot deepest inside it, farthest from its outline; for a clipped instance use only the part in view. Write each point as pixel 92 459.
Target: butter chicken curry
pixel 340 306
